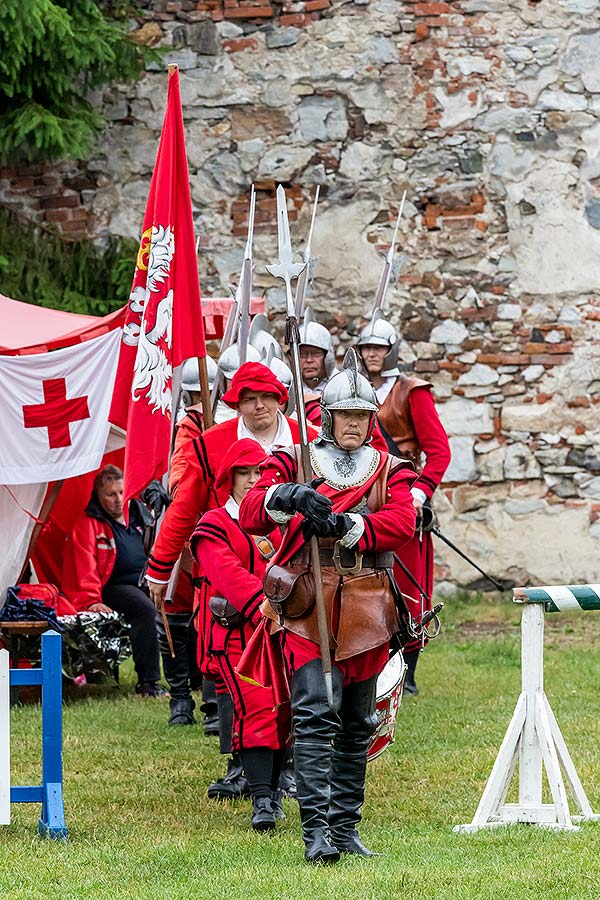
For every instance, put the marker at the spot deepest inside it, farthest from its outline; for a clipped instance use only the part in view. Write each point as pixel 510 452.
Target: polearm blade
pixel 286 269
pixel 304 278
pixel 387 268
pixel 246 284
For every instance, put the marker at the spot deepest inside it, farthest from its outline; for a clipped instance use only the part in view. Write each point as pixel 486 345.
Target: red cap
pixel 244 452
pixel 253 376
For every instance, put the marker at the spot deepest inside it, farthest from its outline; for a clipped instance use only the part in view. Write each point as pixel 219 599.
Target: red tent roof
pixel 27 328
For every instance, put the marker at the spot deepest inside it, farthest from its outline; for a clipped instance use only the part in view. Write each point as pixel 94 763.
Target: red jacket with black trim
pixel 196 493
pixel 234 567
pixel 387 529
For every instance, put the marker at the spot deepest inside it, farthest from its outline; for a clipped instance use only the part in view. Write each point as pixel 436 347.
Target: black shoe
pixel 410 689
pixel 319 848
pixel 263 817
pixel 277 804
pixel 232 786
pixel 211 725
pixel 182 712
pixel 287 781
pixel 352 844
pixel 150 689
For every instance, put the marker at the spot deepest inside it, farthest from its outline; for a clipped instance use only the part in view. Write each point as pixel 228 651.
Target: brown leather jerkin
pixel 394 415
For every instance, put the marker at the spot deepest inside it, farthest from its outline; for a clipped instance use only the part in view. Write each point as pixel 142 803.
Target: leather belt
pixel 347 557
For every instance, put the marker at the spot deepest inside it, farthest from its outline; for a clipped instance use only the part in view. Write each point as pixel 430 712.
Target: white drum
pixel 389 697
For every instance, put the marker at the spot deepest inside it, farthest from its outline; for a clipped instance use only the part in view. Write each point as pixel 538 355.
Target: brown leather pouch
pixel 224 612
pixel 291 592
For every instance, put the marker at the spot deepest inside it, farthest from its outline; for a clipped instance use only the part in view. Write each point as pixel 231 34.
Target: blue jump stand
pixel 51 823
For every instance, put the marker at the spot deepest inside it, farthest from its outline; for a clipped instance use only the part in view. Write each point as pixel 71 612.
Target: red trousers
pixel 255 722
pixel 298 651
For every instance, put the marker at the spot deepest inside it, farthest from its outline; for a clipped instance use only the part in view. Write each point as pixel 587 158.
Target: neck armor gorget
pixel 343 468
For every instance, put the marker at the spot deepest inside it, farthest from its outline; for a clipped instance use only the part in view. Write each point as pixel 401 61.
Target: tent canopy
pixel 34 329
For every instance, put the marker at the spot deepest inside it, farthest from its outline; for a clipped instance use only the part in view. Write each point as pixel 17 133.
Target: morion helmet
pixel 229 361
pixel 379 331
pixel 283 372
pixel 190 380
pixel 261 338
pixel 347 389
pixel 313 334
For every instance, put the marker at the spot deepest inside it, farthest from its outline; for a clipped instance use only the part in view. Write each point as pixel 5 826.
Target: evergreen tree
pixel 52 53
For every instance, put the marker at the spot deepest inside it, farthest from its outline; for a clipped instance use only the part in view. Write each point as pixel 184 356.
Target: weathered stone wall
pixel 486 111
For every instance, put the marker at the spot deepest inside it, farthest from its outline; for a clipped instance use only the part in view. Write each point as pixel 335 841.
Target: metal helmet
pixel 229 361
pixel 313 334
pixel 261 338
pixel 380 332
pixel 189 374
pixel 284 374
pixel 347 389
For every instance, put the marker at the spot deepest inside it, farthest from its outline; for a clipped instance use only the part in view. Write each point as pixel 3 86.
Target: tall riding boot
pixel 410 686
pixel 349 765
pixel 176 668
pixel 315 725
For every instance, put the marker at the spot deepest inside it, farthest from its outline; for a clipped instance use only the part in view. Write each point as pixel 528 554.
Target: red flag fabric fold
pixel 163 325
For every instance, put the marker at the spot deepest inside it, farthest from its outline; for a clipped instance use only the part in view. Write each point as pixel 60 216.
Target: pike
pixel 286 269
pixel 387 268
pixel 246 285
pixel 229 336
pixel 307 273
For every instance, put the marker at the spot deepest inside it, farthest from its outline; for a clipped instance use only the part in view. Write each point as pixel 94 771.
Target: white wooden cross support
pixel 532 742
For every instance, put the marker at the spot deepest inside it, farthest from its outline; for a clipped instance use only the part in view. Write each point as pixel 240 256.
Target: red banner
pixel 164 323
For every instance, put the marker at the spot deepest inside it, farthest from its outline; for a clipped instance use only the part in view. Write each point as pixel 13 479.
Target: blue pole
pixel 52 819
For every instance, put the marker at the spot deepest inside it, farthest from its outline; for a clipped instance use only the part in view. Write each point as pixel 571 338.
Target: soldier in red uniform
pixel 361 511
pixel 258 395
pixel 411 427
pixel 234 564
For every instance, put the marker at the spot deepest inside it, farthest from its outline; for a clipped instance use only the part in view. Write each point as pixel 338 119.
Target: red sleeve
pixel 394 524
pixel 191 499
pixel 80 581
pixel 279 468
pixel 432 438
pixel 213 550
pixel 187 429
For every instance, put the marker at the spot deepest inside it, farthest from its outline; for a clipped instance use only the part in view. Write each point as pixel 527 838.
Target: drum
pixel 389 697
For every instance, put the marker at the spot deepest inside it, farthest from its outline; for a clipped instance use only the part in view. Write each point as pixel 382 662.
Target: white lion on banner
pixel 152 373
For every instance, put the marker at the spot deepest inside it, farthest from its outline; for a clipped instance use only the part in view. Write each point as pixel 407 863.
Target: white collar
pixel 232 508
pixel 383 390
pixel 283 437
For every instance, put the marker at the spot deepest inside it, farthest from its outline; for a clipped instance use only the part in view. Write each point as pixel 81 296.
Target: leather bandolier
pixel 360 608
pixel 395 419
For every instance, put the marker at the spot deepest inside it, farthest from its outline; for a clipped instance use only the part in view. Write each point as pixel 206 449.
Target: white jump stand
pixel 533 740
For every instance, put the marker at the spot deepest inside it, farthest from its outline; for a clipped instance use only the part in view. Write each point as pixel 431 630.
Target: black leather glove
pixel 335 525
pixel 156 498
pixel 302 498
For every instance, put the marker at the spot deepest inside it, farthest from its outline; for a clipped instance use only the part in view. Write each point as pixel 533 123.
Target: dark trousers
pixel 139 611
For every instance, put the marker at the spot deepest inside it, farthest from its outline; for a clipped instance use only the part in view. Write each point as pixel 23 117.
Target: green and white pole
pixel 561 598
pixel 533 741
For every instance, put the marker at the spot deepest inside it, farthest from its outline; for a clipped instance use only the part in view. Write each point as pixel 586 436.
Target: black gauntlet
pixel 302 498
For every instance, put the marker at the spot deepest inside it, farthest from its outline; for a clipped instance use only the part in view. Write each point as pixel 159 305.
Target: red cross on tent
pixel 56 413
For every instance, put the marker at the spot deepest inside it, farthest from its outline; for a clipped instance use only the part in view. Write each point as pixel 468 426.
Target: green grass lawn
pixel 142 828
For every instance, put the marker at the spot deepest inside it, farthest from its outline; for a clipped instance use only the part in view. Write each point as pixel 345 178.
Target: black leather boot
pixel 233 785
pixel 410 685
pixel 315 725
pixel 182 712
pixel 263 817
pixel 349 766
pixel 176 669
pixel 287 776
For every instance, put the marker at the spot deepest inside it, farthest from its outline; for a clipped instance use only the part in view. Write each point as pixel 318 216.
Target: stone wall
pixel 486 112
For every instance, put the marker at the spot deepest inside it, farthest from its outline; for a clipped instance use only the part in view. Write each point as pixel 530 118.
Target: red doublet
pixel 195 494
pixel 234 568
pixel 417 554
pixel 384 531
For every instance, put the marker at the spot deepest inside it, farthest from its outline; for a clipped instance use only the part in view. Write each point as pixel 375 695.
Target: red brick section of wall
pixel 282 12
pixel 265 216
pixel 45 195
